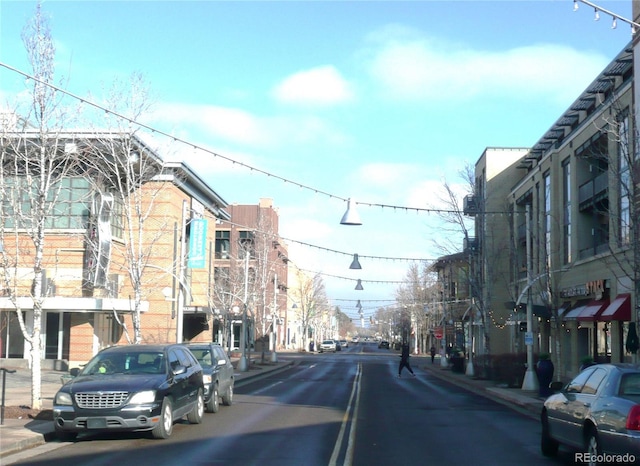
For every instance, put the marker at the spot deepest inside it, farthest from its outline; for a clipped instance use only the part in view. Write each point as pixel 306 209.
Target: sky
pixel 379 101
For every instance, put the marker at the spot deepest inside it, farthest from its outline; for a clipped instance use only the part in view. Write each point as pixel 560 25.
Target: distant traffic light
pixel 523 326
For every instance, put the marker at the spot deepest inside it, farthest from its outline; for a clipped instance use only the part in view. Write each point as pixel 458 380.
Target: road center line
pixel 355 393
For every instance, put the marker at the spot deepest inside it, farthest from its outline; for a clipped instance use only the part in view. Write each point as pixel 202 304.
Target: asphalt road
pixel 347 408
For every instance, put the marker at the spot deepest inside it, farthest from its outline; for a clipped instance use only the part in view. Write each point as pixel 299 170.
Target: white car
pixel 327 345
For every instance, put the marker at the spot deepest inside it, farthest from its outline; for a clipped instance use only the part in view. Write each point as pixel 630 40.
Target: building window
pixel 70 210
pixel 566 198
pixel 222 244
pixel 117 217
pixel 245 241
pixel 547 218
pixel 624 235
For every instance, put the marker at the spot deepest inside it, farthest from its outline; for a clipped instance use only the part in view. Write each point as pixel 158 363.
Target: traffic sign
pixel 528 338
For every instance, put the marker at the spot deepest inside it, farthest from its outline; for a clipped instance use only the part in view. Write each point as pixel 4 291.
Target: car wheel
pixel 196 414
pixel 548 445
pixel 227 398
pixel 164 428
pixel 592 444
pixel 65 436
pixel 213 405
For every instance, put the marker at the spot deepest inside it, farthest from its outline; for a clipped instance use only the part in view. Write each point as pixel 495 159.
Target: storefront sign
pixel 594 288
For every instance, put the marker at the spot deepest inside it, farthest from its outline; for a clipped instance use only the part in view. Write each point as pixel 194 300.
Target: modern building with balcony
pixel 568 250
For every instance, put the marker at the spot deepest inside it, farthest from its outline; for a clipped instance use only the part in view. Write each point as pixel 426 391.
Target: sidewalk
pixel 20 434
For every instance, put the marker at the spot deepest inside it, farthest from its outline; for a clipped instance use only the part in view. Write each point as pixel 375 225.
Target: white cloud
pixel 242 127
pixel 410 67
pixel 321 86
pixel 396 184
pixel 221 122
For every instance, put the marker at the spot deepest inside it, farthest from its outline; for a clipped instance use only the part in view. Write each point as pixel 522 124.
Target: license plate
pixel 96 423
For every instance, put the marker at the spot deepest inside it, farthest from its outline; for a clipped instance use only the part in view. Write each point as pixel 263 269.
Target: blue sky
pixel 379 101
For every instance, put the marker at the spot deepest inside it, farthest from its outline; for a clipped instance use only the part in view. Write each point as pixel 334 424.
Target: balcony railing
pixel 593 190
pixel 470 205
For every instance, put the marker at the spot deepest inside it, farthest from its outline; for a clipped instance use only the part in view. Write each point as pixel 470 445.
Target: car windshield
pixel 134 362
pixel 203 355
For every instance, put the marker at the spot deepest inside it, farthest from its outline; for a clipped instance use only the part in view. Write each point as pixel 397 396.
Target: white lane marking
pixel 355 393
pixel 354 421
pixel 264 389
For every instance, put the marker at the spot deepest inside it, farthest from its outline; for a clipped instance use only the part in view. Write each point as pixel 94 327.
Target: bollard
pixel 4 379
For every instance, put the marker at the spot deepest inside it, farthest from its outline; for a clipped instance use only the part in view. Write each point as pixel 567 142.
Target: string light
pixel 351 279
pixel 597 9
pixel 334 251
pixel 229 159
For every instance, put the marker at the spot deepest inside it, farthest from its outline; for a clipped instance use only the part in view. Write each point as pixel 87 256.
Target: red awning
pixel 574 312
pixel 619 309
pixel 591 312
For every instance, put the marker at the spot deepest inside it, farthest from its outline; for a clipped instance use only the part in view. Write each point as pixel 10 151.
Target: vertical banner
pixel 197 244
pixel 98 253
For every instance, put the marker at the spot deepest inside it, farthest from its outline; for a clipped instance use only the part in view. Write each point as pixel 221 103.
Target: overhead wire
pixel 224 157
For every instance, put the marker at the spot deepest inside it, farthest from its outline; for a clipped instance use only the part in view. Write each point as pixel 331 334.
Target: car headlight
pixel 148 396
pixel 206 378
pixel 63 398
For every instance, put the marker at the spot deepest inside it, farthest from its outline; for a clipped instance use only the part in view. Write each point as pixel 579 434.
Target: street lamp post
pixel 274 317
pixel 530 382
pixel 243 365
pixel 443 356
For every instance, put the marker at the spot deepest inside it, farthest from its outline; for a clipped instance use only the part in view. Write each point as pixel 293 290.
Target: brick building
pixel 115 248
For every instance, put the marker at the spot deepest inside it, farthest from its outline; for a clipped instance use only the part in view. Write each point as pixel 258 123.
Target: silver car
pixel 597 413
pixel 327 345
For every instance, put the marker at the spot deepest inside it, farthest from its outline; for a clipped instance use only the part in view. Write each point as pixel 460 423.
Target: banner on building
pixel 197 244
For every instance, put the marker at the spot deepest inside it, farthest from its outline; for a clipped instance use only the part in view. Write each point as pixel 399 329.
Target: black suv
pixel 218 374
pixel 132 388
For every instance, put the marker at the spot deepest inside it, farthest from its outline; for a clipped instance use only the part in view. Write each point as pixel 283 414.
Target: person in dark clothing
pixel 404 360
pixel 433 353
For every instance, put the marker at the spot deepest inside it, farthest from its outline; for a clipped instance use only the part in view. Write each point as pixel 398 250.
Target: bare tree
pixel 268 271
pixel 228 293
pixel 33 165
pixel 414 295
pixel 452 213
pixel 310 297
pixel 128 178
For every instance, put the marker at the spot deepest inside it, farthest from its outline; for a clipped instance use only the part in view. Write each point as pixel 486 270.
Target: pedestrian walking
pixel 433 353
pixel 404 360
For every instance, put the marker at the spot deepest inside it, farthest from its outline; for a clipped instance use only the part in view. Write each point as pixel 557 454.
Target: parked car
pixel 344 343
pixel 338 345
pixel 383 344
pixel 217 373
pixel 131 388
pixel 597 413
pixel 327 345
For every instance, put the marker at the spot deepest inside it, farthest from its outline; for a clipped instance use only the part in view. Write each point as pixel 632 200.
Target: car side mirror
pixel 179 369
pixel 73 372
pixel 222 362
